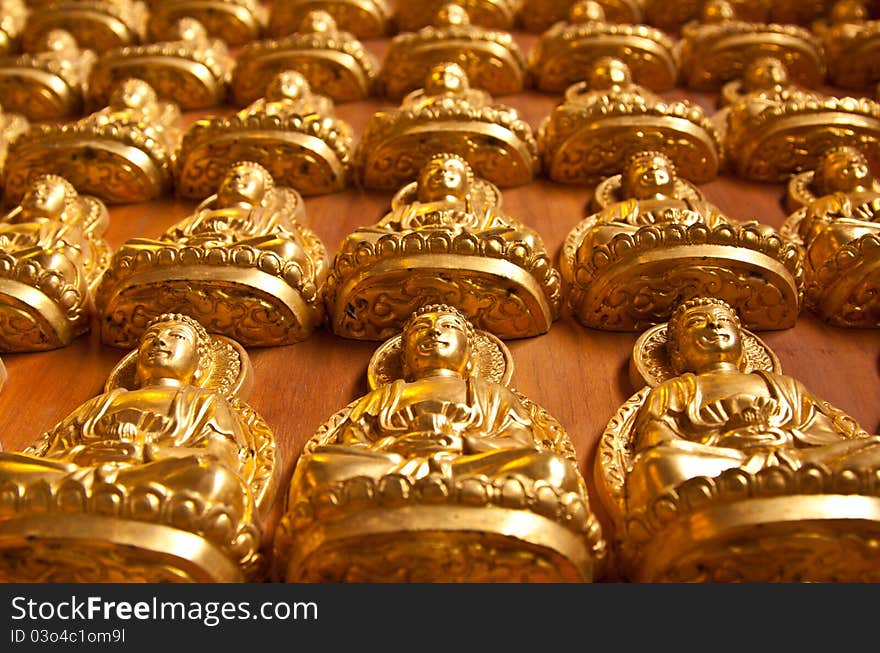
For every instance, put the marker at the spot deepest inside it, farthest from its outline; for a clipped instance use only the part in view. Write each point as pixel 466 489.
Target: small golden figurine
pixel 494 14
pixel 52 256
pixel 840 232
pixel 291 131
pixel 50 84
pixel 441 473
pixel 235 22
pixel 13 17
pixel 539 15
pixel 98 25
pixel 851 44
pixel 604 120
pixel 242 264
pixel 492 59
pixel 570 47
pixel 120 154
pixel 717 48
pixel 193 71
pixel 446 115
pixel 725 469
pixel 335 63
pixel 628 265
pixel 777 128
pixel 366 19
pixel 164 477
pixel 445 239
pixel 842 169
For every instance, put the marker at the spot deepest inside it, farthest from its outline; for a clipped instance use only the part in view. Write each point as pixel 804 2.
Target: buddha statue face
pixel 47 196
pixel 133 94
pixel 168 351
pixel 318 22
pixel 765 73
pixel 717 11
pixel 608 72
pixel 704 333
pixel 59 40
pixel 848 11
pixel 288 85
pixel 649 175
pixel 436 341
pixel 447 78
pixel 842 170
pixel 189 29
pixel 586 12
pixel 245 184
pixel 452 15
pixel 445 178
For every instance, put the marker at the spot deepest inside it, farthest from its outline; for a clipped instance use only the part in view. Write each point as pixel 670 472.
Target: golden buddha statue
pixel 163 477
pixel 365 19
pixel 718 47
pixel 850 41
pixel 840 231
pixel 779 481
pixel 445 239
pixel 52 256
pixel 628 265
pixel 774 128
pixel 447 115
pixel 492 59
pixel 98 25
pixel 539 15
pixel 13 18
pixel 120 154
pixel 568 48
pixel 242 264
pixel 456 474
pixel 235 22
pixel 493 14
pixel 842 169
pixel 192 70
pixel 334 63
pixel 607 118
pixel 292 132
pixel 47 85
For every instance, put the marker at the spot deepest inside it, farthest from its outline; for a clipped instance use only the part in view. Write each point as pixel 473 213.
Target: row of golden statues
pixel 719 467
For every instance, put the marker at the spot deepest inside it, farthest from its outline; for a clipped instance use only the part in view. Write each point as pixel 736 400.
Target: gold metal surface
pixel 242 264
pixel 851 44
pixel 50 84
pixel 366 19
pixel 334 62
pixel 494 14
pixel 13 17
pixel 726 469
pixel 98 25
pixel 447 115
pixel 192 70
pixel 628 265
pixel 52 256
pixel 130 145
pixel 839 232
pixel 445 239
pixel 717 48
pixel 442 472
pixel 492 59
pixel 12 125
pixel 235 22
pixel 606 119
pixel 163 477
pixel 539 15
pixel 776 128
pixel 671 15
pixel 292 132
pixel 571 47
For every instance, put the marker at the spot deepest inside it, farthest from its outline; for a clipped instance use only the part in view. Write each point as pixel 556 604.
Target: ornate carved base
pixel 37 94
pixel 32 321
pixel 366 19
pixel 232 22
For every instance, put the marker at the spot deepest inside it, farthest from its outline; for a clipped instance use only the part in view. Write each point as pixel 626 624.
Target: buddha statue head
pixel 842 170
pixel 445 177
pixel 716 12
pixel 133 94
pixel 848 11
pixel 191 30
pixel 765 73
pixel 648 175
pixel 173 350
pixel 703 334
pixel 609 73
pixel 446 78
pixel 47 196
pixel 586 11
pixel 318 22
pixel 59 40
pixel 288 85
pixel 437 341
pixel 245 185
pixel 452 15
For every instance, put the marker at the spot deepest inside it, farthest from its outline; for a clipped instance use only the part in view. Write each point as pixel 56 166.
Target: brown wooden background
pixel 578 374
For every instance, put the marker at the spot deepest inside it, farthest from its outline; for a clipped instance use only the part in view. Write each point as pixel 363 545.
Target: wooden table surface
pixel 578 374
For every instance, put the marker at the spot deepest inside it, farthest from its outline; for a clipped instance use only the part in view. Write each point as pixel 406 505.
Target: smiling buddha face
pixel 702 332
